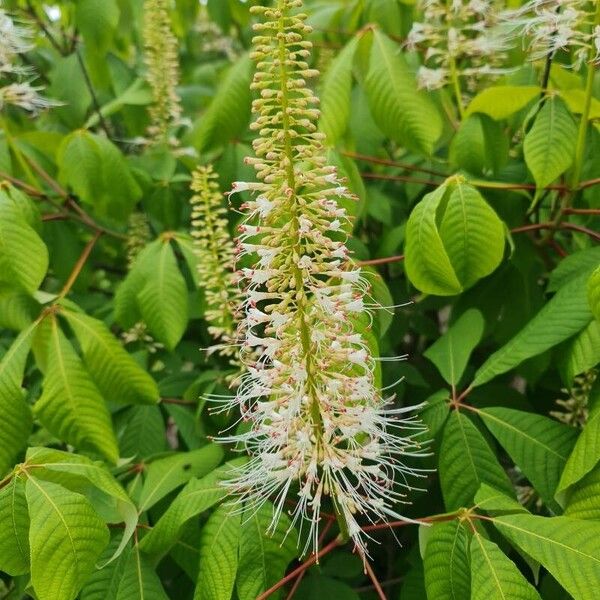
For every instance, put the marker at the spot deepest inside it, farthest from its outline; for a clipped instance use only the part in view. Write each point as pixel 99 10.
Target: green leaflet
pixel 453 239
pixel 447 561
pixel 566 313
pixel 568 548
pixel 14 410
pixel 76 473
pixel 263 556
pixel 14 528
pixel 539 446
pixel 166 474
pixel 335 93
pixel 450 353
pixel 196 497
pixel 219 545
pixel 163 301
pixel 549 145
pixel 118 376
pixel 139 580
pixel 586 453
pixel 228 114
pixel 71 406
pixel 23 254
pixel 582 353
pixel 401 111
pixel 593 290
pixel 501 101
pixel 144 433
pixel 97 22
pixel 467 461
pixel 494 576
pixel 66 538
pixel 103 583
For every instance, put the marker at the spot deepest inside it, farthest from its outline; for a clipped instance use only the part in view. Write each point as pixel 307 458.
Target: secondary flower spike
pixel 318 426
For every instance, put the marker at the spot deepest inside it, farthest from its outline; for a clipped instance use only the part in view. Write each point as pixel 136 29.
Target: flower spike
pixel 319 426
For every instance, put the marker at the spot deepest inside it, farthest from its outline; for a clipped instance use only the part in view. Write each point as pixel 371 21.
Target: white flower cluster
pixel 549 26
pixel 316 424
pixel 15 85
pixel 459 38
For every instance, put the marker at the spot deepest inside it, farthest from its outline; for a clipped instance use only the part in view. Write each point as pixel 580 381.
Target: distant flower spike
pixel 459 39
pixel 162 62
pixel 214 249
pixel 319 426
pixel 138 235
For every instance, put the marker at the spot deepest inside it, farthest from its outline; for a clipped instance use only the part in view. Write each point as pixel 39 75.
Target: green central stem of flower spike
pixel 301 298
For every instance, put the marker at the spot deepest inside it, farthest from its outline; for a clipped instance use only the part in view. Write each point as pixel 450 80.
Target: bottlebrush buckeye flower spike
pixel 215 252
pixel 318 425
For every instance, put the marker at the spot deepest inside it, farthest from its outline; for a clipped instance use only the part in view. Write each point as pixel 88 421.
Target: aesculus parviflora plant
pixel 319 427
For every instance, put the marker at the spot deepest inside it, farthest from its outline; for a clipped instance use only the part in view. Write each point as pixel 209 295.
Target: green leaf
pixel 467 461
pixel 480 145
pixel 139 580
pixel 14 528
pixel 263 556
pixel 118 376
pixel 163 300
pixel 593 290
pixel 453 239
pixel 501 101
pixel 23 255
pixel 166 474
pixel 97 22
pixel 494 576
pixel 77 473
pixel 144 433
pixel 90 164
pixel 66 538
pixel 446 562
pixel 14 409
pixel 196 497
pixel 450 353
pixel 565 314
pixel 537 444
pixel 549 145
pixel 103 583
pixel 586 453
pixel 429 270
pixel 581 353
pixel 336 88
pixel 582 497
pixel 71 406
pixel 228 114
pixel 573 266
pixel 401 111
pixel 219 544
pixel 436 411
pixel 568 548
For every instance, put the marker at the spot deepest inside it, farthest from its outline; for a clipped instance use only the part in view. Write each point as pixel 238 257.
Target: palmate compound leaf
pixel 66 537
pixel 71 406
pixel 14 528
pixel 166 474
pixel 264 553
pixel 219 545
pixel 335 93
pixel 402 112
pixel 539 446
pixel 465 462
pixel 450 353
pixel 82 475
pixel 196 497
pixel 568 548
pixel 15 412
pixel 494 576
pixel 565 314
pixel 116 373
pixel 453 239
pixel 549 145
pixel 446 562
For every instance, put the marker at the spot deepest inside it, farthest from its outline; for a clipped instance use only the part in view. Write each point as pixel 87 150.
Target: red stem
pixel 375 581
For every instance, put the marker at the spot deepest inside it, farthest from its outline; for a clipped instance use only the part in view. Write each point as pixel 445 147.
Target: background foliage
pixel 111 483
